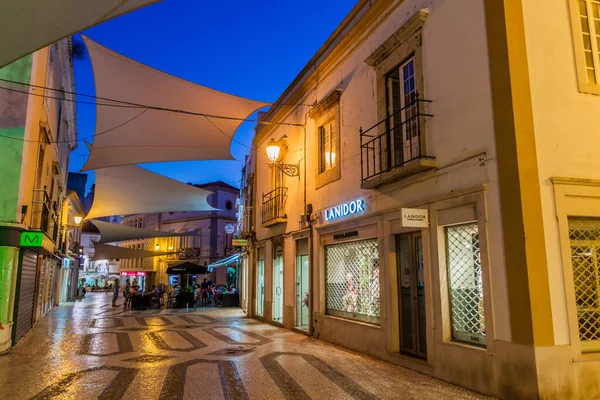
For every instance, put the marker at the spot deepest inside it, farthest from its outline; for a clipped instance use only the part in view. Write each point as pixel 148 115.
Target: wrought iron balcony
pixel 396 146
pixel 273 207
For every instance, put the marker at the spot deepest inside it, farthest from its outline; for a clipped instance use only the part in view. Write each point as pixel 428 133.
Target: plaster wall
pixel 566 125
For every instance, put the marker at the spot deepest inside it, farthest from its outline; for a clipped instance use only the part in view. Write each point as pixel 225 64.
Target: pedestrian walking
pixel 126 292
pixel 115 293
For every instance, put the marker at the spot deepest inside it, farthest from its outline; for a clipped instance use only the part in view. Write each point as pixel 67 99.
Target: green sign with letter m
pixel 32 239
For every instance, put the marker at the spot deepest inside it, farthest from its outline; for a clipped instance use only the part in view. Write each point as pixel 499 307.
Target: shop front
pixel 49 275
pixel 137 279
pixel 349 304
pixel 371 277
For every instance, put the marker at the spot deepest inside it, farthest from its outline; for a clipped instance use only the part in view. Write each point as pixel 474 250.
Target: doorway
pixel 411 291
pixel 278 285
pixel 260 282
pixel 302 284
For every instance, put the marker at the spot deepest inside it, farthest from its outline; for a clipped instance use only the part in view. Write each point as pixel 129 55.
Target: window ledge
pixel 410 168
pixel 351 321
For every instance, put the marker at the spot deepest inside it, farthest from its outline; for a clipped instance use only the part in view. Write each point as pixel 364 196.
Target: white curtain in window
pixel 128 132
pixel 29 25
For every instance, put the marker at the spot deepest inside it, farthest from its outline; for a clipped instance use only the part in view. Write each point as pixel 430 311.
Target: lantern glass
pixel 273 151
pixel 157 247
pixel 77 219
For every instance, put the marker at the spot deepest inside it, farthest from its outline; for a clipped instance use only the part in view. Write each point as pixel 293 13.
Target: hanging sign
pixel 342 210
pixel 239 242
pixel 415 218
pixel 229 229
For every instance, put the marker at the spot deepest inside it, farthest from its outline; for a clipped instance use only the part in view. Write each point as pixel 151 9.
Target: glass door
pixel 278 285
pixel 302 284
pixel 260 283
pixel 302 292
pixel 411 291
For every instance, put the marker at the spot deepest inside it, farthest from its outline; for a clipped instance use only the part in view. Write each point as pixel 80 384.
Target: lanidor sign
pixel 345 209
pixel 415 218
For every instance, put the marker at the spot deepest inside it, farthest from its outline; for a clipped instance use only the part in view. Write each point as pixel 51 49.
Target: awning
pixel 128 132
pixel 108 252
pixel 29 25
pixel 110 233
pixel 226 261
pixel 187 268
pixel 130 189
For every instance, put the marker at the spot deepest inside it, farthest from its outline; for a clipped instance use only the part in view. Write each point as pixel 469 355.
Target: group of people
pixel 129 290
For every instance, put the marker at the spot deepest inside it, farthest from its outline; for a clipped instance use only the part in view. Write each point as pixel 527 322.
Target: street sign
pixel 415 218
pixel 32 239
pixel 239 242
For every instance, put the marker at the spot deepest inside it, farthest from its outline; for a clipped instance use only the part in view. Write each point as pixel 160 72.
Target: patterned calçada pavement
pixel 88 349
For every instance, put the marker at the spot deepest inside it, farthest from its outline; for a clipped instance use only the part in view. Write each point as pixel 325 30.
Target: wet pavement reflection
pixel 88 349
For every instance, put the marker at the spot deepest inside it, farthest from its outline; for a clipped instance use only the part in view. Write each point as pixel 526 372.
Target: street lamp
pixel 157 247
pixel 273 150
pixel 77 219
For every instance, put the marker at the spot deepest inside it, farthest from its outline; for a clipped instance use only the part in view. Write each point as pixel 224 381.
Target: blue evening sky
pixel 248 48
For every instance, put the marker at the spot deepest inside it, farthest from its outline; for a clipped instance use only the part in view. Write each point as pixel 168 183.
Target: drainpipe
pixel 311 327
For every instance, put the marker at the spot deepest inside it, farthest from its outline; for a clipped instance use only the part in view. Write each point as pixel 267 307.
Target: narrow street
pixel 88 349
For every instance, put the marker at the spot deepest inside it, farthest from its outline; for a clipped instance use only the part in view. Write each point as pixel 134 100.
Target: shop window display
pixel 352 280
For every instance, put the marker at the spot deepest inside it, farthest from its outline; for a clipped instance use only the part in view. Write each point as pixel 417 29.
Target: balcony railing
pixel 41 212
pixel 273 206
pixel 395 142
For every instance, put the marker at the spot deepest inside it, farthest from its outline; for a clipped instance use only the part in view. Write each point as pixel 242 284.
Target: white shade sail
pixel 110 233
pixel 109 252
pixel 130 189
pixel 29 25
pixel 130 134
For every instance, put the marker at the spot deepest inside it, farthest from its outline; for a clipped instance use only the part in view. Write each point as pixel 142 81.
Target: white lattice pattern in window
pixel 584 235
pixel 465 284
pixel 352 280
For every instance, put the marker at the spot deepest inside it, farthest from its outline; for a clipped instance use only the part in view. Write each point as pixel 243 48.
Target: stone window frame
pixel 400 47
pixel 327 111
pixel 577 198
pixel 580 62
pixel 468 208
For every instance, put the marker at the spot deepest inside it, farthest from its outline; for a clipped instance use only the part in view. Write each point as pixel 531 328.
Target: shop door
pixel 26 296
pixel 411 289
pixel 278 285
pixel 302 284
pixel 260 283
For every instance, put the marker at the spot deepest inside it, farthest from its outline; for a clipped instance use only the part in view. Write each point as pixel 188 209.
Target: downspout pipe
pixel 311 327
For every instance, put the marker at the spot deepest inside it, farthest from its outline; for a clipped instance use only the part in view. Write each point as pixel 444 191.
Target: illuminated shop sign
pixel 129 273
pixel 353 207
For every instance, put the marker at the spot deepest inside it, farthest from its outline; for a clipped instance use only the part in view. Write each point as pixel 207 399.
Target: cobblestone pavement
pixel 88 349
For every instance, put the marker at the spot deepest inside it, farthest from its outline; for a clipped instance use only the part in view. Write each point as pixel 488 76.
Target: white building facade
pixel 433 207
